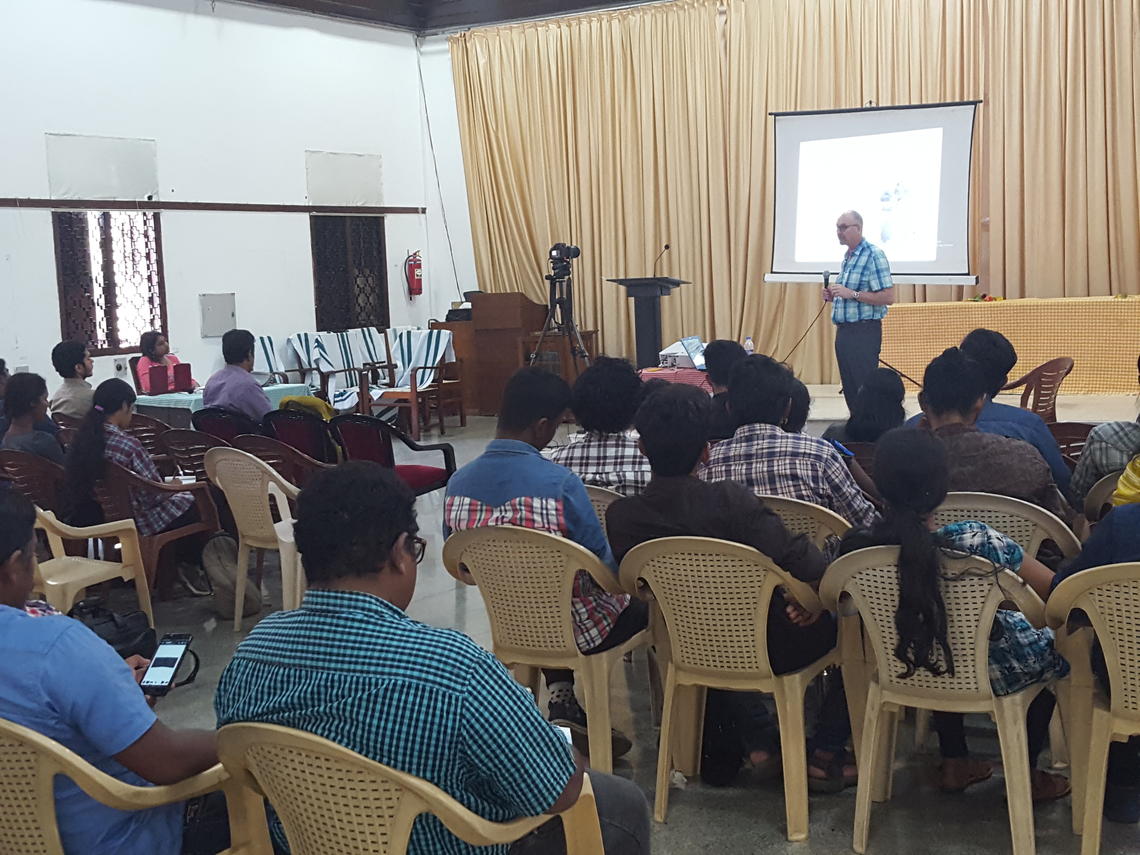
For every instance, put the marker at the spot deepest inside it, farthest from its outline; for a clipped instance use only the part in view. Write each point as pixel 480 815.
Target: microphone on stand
pixel 664 250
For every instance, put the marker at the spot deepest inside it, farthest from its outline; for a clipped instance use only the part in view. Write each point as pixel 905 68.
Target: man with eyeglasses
pixel 859 300
pixel 351 666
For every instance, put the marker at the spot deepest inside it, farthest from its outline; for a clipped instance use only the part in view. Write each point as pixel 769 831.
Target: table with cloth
pixel 1099 333
pixel 175 408
pixel 689 376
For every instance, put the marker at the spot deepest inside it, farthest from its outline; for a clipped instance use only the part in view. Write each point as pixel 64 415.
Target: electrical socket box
pixel 21 369
pixel 219 314
pixel 121 365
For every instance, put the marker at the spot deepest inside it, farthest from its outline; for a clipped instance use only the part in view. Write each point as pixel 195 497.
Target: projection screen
pixel 906 170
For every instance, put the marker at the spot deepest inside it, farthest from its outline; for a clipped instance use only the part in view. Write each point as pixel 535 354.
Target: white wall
pixel 234 96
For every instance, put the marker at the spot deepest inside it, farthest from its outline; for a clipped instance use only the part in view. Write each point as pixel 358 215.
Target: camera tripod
pixel 560 319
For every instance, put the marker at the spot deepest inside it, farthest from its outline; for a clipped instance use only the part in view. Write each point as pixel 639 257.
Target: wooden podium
pixel 500 322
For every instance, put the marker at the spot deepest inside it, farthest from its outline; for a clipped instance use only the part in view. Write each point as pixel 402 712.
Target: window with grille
pixel 109 267
pixel 350 277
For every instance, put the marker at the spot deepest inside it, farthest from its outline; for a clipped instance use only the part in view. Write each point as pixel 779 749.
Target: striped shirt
pixel 771 462
pixel 610 460
pixel 356 670
pixel 865 268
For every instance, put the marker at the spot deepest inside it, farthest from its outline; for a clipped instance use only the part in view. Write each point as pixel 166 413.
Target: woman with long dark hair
pixel 911 473
pixel 156 351
pixel 102 437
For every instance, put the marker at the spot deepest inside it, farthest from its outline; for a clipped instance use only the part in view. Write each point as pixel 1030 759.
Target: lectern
pixel 647 293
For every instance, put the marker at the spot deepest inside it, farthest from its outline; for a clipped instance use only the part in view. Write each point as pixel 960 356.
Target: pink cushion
pixel 422 479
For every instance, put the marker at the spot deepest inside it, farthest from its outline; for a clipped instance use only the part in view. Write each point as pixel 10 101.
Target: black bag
pixel 722 750
pixel 129 633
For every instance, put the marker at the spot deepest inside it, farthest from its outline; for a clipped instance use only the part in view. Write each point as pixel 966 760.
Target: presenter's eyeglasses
pixel 844 227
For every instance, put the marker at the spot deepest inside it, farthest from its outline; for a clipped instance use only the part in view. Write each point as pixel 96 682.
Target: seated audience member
pixel 512 484
pixel 769 461
pixel 953 395
pixel 673 427
pixel 350 665
pixel 720 357
pixel 156 351
pixel 45 424
pixel 62 680
pixel 801 407
pixel 25 406
pixel 878 408
pixel 101 437
pixel 233 388
pixel 1114 540
pixel 604 453
pixel 912 472
pixel 996 357
pixel 1109 448
pixel 72 361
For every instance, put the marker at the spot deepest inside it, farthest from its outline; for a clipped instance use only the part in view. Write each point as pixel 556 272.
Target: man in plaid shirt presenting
pixel 512 484
pixel 859 301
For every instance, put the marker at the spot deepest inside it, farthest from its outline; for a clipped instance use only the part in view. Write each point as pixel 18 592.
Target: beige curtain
pixel 626 130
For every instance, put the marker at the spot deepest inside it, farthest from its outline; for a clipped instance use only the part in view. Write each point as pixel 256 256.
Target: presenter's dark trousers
pixel 857 345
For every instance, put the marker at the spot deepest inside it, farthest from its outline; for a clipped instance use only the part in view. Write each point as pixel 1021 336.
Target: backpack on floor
pixel 130 633
pixel 219 560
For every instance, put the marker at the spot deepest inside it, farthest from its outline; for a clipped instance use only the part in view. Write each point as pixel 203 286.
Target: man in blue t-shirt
pixel 62 680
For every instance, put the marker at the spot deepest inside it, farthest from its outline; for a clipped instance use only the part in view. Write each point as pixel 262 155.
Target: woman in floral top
pixel 911 473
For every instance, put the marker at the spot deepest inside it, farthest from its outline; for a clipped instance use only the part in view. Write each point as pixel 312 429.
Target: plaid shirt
pixel 511 484
pixel 1020 654
pixel 153 511
pixel 354 669
pixel 1109 449
pixel 771 462
pixel 865 268
pixel 610 460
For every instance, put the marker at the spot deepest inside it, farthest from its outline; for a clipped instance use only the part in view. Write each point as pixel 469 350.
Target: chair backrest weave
pixel 247 483
pixel 1025 523
pixel 972 589
pixel 147 430
pixel 714 596
pixel 188 448
pixel 27 805
pixel 820 524
pixel 601 498
pixel 37 478
pixel 525 578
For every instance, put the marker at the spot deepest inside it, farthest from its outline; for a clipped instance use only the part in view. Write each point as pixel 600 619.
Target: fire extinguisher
pixel 414 273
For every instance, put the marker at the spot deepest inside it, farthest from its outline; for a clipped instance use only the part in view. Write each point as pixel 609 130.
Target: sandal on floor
pixel 769 768
pixel 958 773
pixel 831 774
pixel 1048 786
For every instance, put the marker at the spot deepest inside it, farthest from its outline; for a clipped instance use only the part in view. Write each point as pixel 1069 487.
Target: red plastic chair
pixel 369 438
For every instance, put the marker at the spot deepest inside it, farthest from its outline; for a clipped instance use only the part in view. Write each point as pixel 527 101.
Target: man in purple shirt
pixel 233 388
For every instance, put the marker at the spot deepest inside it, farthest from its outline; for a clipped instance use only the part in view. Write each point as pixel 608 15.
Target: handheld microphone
pixel 664 250
pixel 826 277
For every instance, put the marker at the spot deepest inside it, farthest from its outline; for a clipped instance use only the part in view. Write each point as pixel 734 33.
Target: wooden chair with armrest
pixel 973 590
pixel 422 382
pixel 249 485
pixel 133 365
pixel 1041 387
pixel 64 578
pixel 29 764
pixel 526 578
pixel 306 779
pixel 292 465
pixel 370 438
pixel 64 420
pixel 714 596
pixel 113 494
pixel 1101 604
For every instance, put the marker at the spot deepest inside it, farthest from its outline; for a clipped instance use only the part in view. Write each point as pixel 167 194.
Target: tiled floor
pixel 738 820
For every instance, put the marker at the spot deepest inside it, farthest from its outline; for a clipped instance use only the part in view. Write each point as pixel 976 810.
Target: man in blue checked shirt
pixel 350 665
pixel 859 301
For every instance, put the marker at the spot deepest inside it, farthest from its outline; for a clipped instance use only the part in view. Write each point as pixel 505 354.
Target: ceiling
pixel 435 15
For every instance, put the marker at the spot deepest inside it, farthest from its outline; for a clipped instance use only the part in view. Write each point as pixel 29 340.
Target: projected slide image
pixel 892 179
